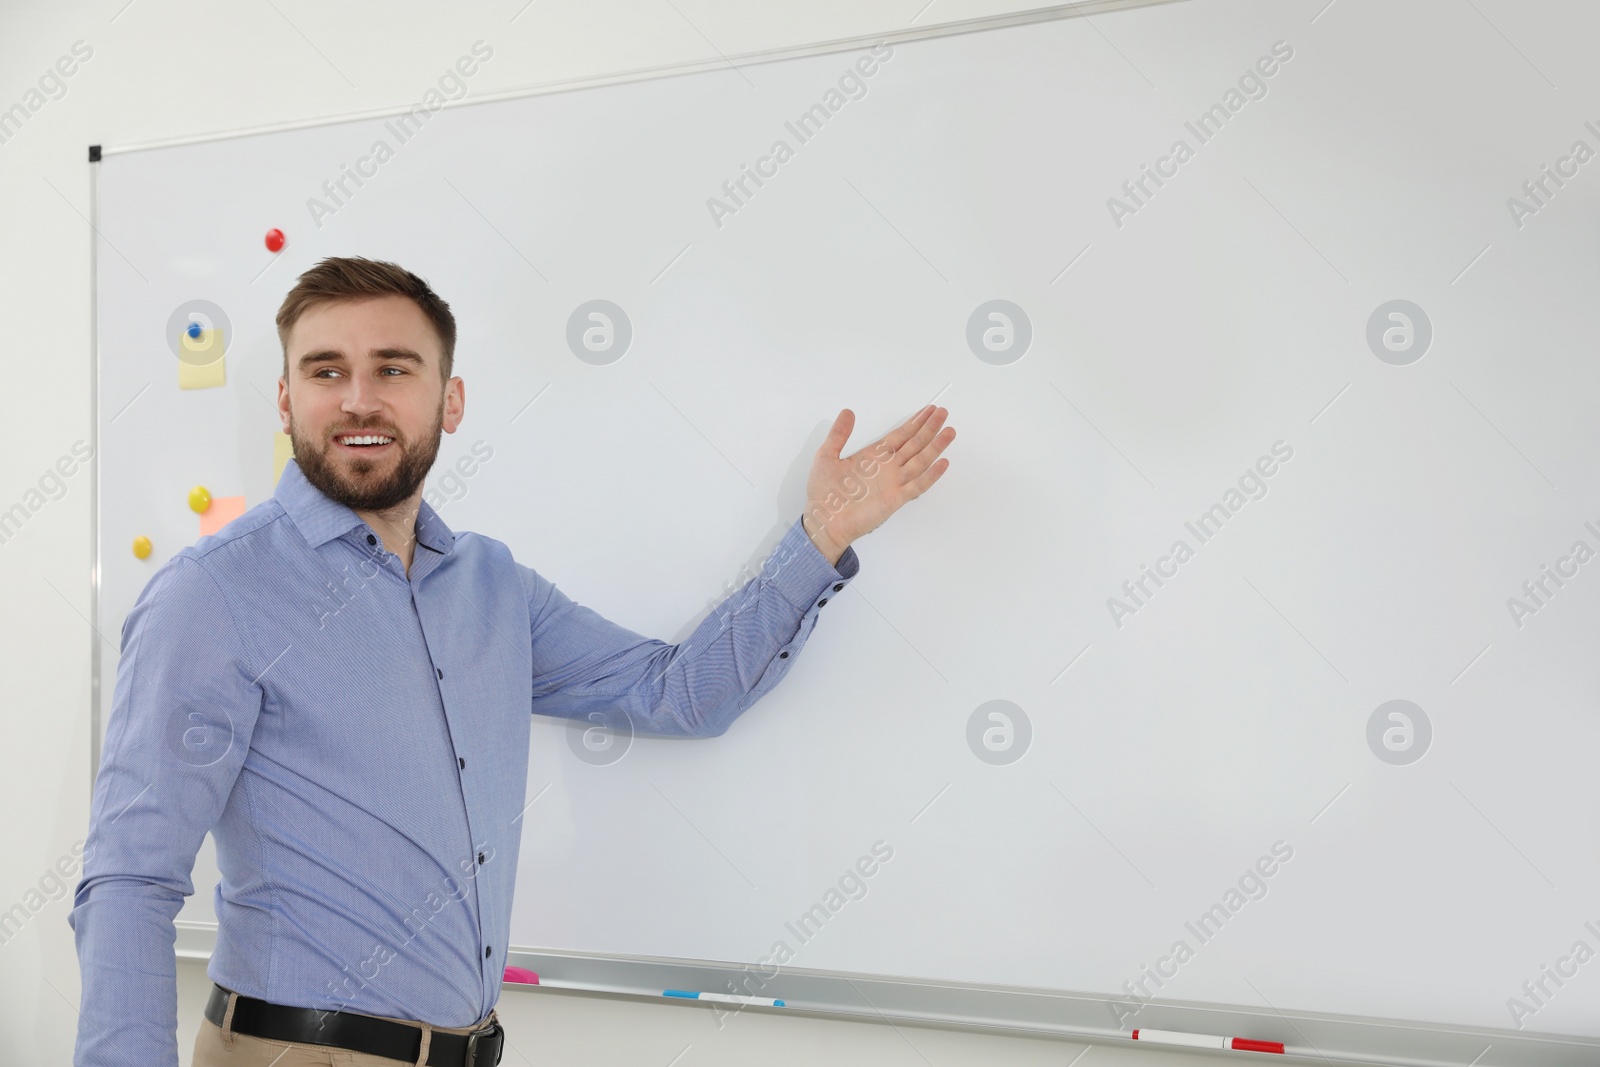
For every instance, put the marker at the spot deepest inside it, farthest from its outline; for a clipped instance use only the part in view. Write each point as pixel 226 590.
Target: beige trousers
pixel 214 1047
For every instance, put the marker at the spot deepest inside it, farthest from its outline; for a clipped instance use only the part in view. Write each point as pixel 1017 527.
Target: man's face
pixel 360 370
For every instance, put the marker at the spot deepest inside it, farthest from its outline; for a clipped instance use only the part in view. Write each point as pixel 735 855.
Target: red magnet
pixel 274 240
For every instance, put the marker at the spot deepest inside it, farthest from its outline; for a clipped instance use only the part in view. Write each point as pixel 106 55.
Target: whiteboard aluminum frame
pixel 95 638
pixel 1077 9
pixel 1309 1037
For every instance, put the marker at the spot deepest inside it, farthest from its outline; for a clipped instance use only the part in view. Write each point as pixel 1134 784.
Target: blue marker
pixel 682 994
pixel 723 998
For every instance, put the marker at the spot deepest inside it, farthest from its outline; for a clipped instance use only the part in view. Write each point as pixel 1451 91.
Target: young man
pixel 339 687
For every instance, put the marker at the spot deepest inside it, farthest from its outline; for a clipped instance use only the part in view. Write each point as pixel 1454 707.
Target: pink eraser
pixel 521 974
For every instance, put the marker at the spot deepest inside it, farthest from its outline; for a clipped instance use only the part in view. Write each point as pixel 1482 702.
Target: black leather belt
pixel 358 1033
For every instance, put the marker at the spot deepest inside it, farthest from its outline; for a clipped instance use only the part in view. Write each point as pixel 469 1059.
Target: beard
pixel 359 486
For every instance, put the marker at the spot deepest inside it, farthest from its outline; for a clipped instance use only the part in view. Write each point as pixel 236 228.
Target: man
pixel 340 687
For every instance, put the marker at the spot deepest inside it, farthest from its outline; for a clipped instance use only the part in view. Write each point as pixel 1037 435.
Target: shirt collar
pixel 321 519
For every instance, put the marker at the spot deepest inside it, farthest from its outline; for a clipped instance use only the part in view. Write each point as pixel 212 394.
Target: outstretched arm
pixel 586 667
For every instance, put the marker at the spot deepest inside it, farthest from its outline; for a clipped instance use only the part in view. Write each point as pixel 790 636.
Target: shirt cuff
pixel 803 574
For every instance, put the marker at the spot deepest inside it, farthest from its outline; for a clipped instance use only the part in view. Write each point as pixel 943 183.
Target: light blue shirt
pixel 356 740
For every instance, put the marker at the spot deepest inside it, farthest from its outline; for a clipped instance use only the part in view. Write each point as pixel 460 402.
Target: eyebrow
pixel 332 355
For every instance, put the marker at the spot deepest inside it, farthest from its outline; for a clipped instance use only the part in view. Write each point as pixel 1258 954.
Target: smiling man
pixel 364 773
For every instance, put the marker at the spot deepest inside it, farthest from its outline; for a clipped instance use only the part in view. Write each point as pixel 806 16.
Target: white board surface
pixel 1222 319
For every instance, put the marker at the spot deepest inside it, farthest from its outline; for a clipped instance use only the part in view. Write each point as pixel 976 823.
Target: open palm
pixel 848 496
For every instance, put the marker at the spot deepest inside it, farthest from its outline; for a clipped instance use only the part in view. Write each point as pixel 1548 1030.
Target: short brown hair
pixel 357 278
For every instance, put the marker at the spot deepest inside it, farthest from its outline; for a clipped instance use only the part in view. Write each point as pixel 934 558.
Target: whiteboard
pixel 1324 353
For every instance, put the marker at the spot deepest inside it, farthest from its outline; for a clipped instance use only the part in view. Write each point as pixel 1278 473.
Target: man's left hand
pixel 847 497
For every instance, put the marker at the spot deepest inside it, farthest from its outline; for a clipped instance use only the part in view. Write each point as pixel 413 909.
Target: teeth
pixel 370 439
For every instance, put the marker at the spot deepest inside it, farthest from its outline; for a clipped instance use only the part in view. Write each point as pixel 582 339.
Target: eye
pixel 324 370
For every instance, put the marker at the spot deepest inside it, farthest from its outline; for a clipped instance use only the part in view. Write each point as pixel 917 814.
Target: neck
pixel 397 527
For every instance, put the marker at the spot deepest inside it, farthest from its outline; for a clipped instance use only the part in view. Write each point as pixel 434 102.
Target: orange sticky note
pixel 223 510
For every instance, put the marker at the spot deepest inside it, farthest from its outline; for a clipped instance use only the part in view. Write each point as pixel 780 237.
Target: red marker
pixel 274 240
pixel 1239 1044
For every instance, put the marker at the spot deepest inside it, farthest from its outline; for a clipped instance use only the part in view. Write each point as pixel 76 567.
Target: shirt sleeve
pixel 183 711
pixel 586 667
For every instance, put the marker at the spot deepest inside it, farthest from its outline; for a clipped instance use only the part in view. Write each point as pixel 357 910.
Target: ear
pixel 283 403
pixel 455 404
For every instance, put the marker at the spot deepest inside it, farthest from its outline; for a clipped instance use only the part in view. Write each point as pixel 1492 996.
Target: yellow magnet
pixel 199 499
pixel 141 547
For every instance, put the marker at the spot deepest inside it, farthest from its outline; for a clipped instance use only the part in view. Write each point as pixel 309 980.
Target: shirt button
pixel 462 761
pixel 441 673
pixel 481 860
pixel 821 602
pixel 783 655
pixel 371 540
pixel 838 586
pixel 486 952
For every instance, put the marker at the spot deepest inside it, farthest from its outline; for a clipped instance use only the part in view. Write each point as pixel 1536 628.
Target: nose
pixel 360 397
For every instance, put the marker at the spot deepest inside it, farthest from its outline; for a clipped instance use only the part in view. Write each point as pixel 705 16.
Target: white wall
pixel 170 68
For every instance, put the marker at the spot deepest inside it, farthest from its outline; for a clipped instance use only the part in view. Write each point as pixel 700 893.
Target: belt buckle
pixel 492 1030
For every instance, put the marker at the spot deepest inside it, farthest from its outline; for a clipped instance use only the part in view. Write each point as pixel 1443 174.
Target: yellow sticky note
pixel 223 510
pixel 282 452
pixel 201 364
